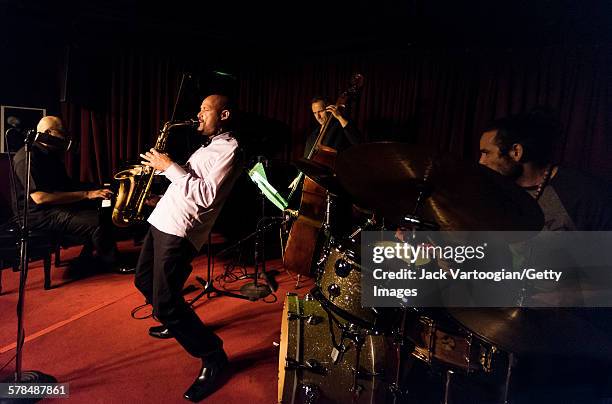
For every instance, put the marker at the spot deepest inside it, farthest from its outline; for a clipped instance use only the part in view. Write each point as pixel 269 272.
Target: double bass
pixel 303 240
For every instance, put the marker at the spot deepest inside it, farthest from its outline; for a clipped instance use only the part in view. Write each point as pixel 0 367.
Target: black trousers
pixel 80 225
pixel 162 270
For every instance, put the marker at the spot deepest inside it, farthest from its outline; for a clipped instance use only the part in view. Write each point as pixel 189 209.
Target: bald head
pixel 220 102
pixel 215 113
pixel 52 125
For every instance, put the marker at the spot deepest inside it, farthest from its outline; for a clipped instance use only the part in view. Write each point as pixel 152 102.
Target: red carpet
pixel 82 333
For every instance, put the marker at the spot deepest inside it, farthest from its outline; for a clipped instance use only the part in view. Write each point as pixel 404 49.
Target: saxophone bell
pixel 135 182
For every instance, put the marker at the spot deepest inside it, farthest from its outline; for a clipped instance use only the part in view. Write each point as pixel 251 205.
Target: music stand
pixel 266 191
pixel 251 291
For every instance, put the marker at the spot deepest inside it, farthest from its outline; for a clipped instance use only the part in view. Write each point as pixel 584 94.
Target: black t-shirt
pixel 585 199
pixel 47 174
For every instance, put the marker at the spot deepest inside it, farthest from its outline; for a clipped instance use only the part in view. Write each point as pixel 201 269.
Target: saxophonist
pixel 180 224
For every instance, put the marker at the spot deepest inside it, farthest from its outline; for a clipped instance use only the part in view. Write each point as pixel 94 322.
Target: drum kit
pixel 333 350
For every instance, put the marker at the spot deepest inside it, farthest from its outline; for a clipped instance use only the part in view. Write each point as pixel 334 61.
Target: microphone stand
pixel 254 289
pixel 208 288
pixel 28 376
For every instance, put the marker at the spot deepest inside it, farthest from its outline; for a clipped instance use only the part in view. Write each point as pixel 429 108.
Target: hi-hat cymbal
pixel 388 177
pixel 320 174
pixel 582 332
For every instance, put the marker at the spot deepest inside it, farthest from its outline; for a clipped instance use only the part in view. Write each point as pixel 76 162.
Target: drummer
pixel 522 147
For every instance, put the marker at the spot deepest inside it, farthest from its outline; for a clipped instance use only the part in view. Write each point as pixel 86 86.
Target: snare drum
pixel 443 343
pixel 311 370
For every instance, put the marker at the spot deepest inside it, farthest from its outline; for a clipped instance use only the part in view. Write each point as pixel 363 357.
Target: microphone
pixel 13 131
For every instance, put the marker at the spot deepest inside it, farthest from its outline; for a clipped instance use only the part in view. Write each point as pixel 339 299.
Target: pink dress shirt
pixel 198 190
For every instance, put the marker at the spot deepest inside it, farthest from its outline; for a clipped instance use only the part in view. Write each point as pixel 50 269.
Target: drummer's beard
pixel 510 168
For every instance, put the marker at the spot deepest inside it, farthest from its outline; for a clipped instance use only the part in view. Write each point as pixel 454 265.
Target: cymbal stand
pixel 328 238
pixel 424 191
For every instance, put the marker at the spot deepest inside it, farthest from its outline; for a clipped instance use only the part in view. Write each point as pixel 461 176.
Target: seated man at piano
pixel 59 205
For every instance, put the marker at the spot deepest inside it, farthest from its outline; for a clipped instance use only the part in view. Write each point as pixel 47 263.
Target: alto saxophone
pixel 135 182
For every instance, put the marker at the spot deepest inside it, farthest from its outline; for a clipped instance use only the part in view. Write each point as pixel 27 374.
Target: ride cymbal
pixel 389 177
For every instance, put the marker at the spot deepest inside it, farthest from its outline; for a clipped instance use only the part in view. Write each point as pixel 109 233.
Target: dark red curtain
pixel 136 98
pixel 439 97
pixel 443 98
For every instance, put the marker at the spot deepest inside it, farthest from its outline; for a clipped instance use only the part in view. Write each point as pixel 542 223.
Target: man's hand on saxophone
pixel 157 160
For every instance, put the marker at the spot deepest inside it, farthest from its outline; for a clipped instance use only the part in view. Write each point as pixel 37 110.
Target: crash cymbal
pixel 542 331
pixel 320 174
pixel 383 177
pixel 387 177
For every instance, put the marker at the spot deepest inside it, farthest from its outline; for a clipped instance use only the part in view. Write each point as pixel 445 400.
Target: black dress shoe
pixel 208 378
pixel 160 331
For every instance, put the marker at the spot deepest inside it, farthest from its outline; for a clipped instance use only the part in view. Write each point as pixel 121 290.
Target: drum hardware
pixel 342 268
pixel 310 319
pixel 420 223
pixel 356 389
pixel 399 395
pixel 511 364
pixel 447 346
pixel 334 291
pixel 311 364
pixel 369 222
pixel 449 374
pixel 349 331
pixel 338 349
pixel 339 288
pixel 365 374
pixel 337 354
pixel 486 358
pixel 358 372
pixel 374 327
pixel 326 232
pixel 306 373
pixel 311 393
pixel 329 202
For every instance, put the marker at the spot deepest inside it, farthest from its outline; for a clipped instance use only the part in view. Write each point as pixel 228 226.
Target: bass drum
pixel 307 371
